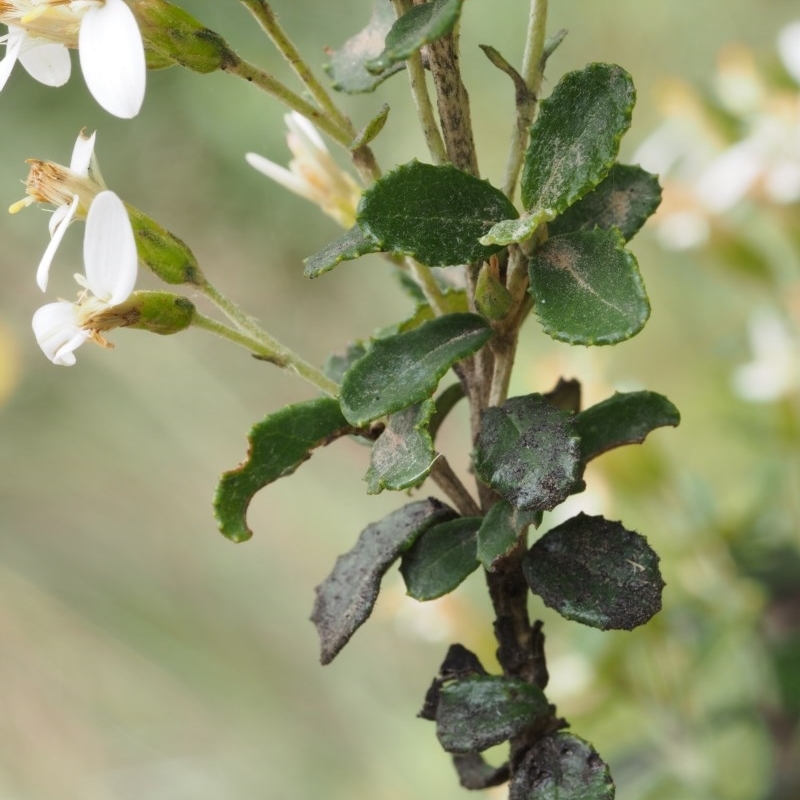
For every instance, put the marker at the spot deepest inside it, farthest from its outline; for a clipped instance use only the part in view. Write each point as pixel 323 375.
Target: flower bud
pixel 163 252
pixel 171 36
pixel 158 312
pixel 492 299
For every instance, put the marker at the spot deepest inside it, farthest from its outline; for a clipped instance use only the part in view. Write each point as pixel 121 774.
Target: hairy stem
pixel 263 13
pixel 532 70
pixel 268 349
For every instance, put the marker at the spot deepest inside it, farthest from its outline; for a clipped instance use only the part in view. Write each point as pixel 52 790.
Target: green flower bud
pixel 158 312
pixel 492 299
pixel 172 36
pixel 163 252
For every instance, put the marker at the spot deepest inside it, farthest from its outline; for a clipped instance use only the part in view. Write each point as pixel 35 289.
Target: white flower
pixel 70 189
pixel 109 254
pixel 105 33
pixel 312 172
pixel 775 369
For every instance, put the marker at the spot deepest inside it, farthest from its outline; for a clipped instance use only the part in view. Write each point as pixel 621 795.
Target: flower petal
pixel 112 58
pixel 82 154
pixel 281 175
pixel 58 333
pixel 13 46
pixel 109 249
pixel 64 215
pixel 47 62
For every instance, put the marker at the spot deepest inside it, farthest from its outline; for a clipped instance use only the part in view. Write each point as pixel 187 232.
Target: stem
pixel 532 70
pixel 424 277
pixel 242 320
pixel 422 100
pixel 265 16
pixel 269 349
pixel 443 475
pixel 273 87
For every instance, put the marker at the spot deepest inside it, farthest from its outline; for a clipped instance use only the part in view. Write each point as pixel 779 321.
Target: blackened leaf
pixel 501 531
pixel 625 199
pixel 475 773
pixel 573 143
pixel 441 558
pixel 403 454
pixel 278 445
pixel 347 66
pixel 435 214
pixel 587 288
pixel 529 453
pixel 346 597
pixel 479 712
pixel 353 243
pixel 419 26
pixel 624 418
pixel 594 571
pixel 401 370
pixel 562 767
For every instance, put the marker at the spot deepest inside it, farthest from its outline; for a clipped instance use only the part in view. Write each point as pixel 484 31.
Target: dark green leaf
pixel 403 455
pixel 562 767
pixel 594 571
pixel 441 558
pixel 479 712
pixel 623 419
pixel 279 444
pixel 351 244
pixel 435 214
pixel 573 143
pixel 401 370
pixel 588 289
pixel 419 26
pixel 347 66
pixel 346 597
pixel 501 531
pixel 625 199
pixel 529 453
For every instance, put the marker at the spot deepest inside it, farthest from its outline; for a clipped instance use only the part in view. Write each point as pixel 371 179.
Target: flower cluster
pixel 744 145
pixel 105 32
pixel 109 251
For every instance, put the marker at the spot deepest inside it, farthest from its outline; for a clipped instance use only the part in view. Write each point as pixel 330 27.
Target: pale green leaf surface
pixel 401 370
pixel 353 243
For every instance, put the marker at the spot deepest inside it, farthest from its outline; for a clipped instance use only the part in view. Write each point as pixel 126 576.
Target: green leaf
pixel 478 712
pixel 403 455
pixel 435 214
pixel 501 530
pixel 624 418
pixel 277 446
pixel 562 766
pixel 529 453
pixel 371 129
pixel 353 243
pixel 588 289
pixel 346 597
pixel 441 558
pixel 337 364
pixel 401 370
pixel 347 66
pixel 625 199
pixel 596 572
pixel 419 26
pixel 574 141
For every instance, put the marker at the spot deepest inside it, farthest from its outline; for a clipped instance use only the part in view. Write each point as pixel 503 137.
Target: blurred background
pixel 143 655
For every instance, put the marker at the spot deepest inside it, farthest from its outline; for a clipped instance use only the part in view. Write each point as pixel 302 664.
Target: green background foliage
pixel 143 655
